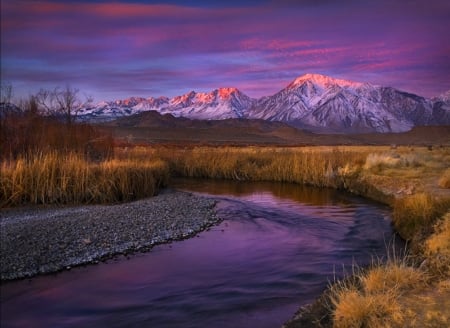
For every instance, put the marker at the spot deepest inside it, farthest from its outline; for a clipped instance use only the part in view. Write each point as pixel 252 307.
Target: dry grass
pixel 396 276
pixel 415 215
pixel 373 298
pixel 319 166
pixel 355 309
pixel 412 213
pixel 444 180
pixel 70 179
pixel 417 166
pixel 437 248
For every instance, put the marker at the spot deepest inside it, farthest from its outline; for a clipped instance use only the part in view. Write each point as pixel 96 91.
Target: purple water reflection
pixel 276 250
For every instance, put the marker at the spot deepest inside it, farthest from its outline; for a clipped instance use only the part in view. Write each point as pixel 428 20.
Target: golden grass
pixel 396 276
pixel 373 298
pixel 416 213
pixel 69 179
pixel 321 166
pixel 418 166
pixel 354 309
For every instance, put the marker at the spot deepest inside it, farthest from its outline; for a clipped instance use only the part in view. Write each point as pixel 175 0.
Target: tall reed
pixel 69 179
pixel 321 167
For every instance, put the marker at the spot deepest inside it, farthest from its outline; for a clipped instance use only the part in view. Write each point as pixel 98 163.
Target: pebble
pixel 44 240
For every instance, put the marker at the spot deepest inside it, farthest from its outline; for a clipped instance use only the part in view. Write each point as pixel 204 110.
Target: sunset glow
pixel 113 50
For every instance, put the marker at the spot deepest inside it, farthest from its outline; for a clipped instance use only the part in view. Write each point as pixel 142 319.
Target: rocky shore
pixel 44 240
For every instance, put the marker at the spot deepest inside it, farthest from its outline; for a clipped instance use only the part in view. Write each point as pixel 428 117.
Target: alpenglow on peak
pixel 323 81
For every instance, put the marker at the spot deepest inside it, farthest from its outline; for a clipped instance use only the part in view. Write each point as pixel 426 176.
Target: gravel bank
pixel 46 240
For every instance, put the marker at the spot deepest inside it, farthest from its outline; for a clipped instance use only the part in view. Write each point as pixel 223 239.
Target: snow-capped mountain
pixel 319 101
pixel 109 110
pixel 219 104
pixel 312 101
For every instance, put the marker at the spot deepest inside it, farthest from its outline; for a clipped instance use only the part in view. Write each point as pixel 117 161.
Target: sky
pixel 117 49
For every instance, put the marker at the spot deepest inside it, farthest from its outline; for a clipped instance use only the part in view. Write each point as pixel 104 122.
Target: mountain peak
pixel 322 80
pixel 227 92
pixel 444 97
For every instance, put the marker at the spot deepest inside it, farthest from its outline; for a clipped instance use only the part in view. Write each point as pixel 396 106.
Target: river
pixel 277 249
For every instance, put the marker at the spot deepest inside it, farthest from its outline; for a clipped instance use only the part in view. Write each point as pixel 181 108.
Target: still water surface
pixel 277 248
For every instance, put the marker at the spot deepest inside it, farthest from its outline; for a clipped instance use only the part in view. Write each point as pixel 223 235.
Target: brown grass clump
pixel 373 298
pixel 355 309
pixel 392 276
pixel 69 179
pixel 415 215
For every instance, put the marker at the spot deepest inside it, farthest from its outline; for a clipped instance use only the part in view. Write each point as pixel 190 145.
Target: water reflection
pixel 295 192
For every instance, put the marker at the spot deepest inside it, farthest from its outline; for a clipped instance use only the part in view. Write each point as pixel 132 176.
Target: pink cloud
pixel 205 46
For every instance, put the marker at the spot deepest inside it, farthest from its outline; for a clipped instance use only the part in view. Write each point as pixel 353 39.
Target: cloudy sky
pixel 116 49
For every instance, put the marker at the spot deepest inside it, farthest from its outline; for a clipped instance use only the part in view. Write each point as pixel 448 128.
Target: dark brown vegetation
pixel 46 157
pixel 39 126
pixel 150 128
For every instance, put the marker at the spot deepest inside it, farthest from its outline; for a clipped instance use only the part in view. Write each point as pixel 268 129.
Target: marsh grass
pixel 322 167
pixel 53 178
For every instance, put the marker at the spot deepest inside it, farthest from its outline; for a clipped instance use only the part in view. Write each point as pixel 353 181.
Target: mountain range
pixel 313 102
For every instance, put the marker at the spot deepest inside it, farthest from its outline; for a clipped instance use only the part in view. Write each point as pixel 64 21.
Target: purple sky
pixel 116 49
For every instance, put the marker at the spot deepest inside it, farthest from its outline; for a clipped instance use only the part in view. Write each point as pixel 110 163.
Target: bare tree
pixel 68 103
pixel 5 93
pixel 63 102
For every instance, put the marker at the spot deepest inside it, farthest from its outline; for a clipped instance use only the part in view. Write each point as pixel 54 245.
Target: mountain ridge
pixel 311 101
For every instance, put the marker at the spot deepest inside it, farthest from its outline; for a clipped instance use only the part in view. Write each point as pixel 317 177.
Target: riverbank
pixel 413 290
pixel 44 240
